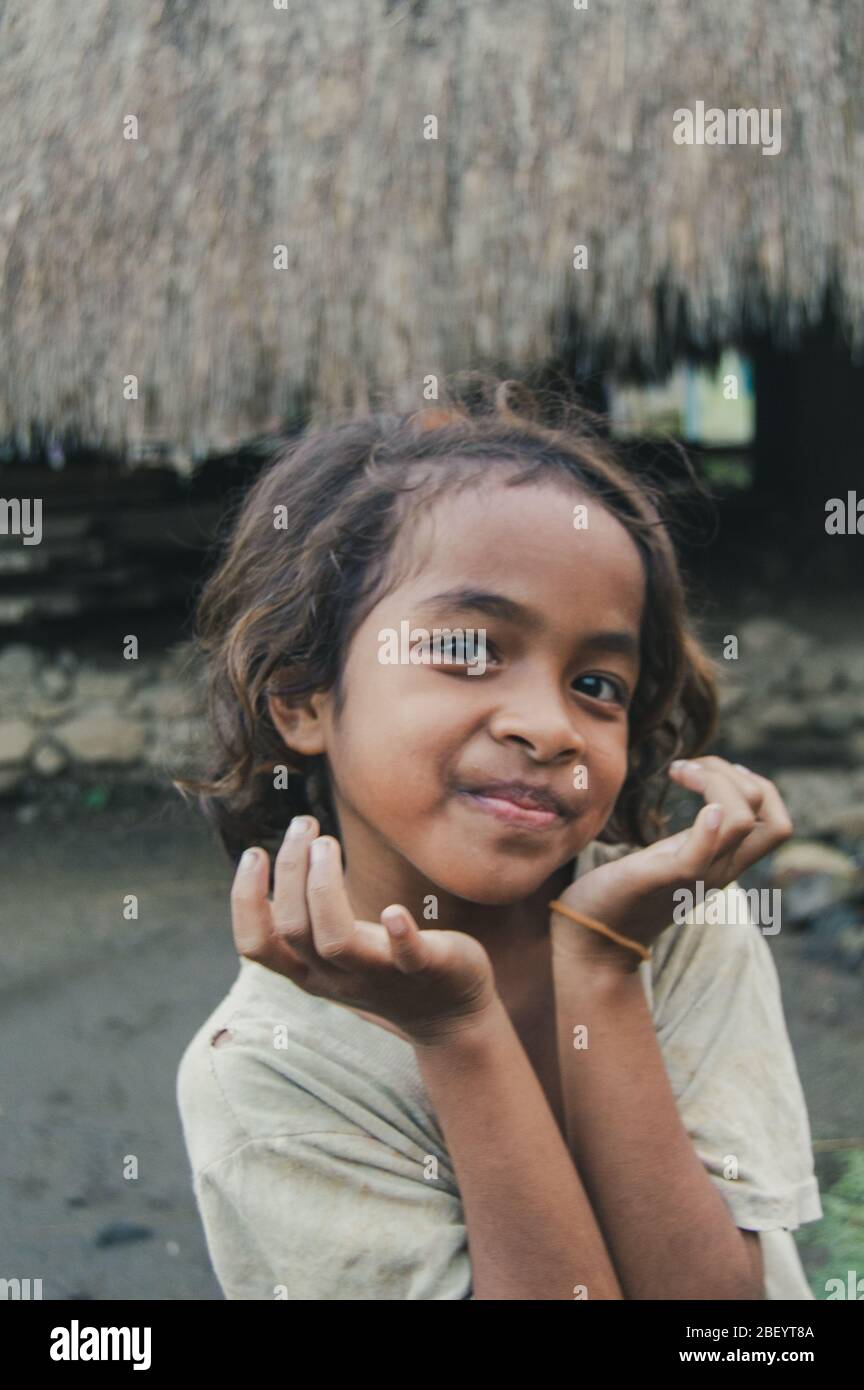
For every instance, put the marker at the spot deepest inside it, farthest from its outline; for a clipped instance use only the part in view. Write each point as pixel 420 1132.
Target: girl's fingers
pixel 291 921
pixel 755 820
pixel 409 950
pixel 251 922
pixel 773 828
pixel 702 840
pixel 331 916
pixel 250 910
pixel 690 852
pixel 773 810
pixel 740 796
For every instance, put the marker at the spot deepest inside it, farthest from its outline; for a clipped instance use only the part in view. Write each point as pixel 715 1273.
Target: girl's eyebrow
pixel 499 606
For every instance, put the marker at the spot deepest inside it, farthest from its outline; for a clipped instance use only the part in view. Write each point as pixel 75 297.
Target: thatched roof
pixel 304 126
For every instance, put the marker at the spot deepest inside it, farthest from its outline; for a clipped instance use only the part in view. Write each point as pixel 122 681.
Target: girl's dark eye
pixel 618 693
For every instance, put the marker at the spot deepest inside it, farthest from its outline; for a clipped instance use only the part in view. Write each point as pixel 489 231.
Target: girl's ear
pixel 299 722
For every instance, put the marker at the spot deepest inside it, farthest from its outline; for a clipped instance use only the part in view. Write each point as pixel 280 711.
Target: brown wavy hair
pixel 277 615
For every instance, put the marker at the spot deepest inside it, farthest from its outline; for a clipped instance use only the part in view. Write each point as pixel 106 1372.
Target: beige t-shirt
pixel 321 1172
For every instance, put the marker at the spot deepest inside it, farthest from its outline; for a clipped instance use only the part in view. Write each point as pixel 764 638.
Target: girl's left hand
pixel 744 820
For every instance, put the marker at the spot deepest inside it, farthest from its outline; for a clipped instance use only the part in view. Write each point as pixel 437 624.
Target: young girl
pixel 468 1054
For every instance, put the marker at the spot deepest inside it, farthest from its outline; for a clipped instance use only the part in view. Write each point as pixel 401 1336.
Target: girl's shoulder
pixel 272 1060
pixel 313 1155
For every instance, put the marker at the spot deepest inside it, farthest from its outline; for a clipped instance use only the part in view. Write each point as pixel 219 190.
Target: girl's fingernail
pixel 679 763
pixel 395 920
pixel 299 826
pixel 248 860
pixel 320 849
pixel 713 817
pixel 742 768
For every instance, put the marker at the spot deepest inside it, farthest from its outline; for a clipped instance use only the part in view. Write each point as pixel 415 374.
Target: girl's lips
pixel 512 814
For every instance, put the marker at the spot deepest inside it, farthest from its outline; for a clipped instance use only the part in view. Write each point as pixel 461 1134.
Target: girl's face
pixel 417 744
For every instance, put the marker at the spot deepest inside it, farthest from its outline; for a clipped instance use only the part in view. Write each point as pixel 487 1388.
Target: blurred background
pixel 221 224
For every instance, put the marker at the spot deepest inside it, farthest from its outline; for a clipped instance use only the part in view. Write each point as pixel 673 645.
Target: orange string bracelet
pixel 594 925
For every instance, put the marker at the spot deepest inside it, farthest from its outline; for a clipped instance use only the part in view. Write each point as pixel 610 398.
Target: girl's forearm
pixel 531 1231
pixel 667 1228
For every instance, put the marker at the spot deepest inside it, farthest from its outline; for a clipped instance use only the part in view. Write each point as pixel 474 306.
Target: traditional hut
pixel 219 219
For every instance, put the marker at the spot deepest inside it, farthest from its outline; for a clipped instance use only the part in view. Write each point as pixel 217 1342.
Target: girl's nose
pixel 545 728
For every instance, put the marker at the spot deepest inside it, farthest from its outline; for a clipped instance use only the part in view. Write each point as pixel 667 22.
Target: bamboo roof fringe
pixel 303 127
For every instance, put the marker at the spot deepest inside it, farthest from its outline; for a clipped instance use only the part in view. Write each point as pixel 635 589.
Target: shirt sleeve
pixel 719 1020
pixel 332 1216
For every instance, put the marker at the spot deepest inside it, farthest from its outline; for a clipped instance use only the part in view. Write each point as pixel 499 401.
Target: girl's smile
pixel 512 811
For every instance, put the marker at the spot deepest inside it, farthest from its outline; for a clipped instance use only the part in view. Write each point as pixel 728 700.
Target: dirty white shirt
pixel 311 1135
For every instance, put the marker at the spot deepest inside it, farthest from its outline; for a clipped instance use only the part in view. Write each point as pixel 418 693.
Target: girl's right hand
pixel 431 984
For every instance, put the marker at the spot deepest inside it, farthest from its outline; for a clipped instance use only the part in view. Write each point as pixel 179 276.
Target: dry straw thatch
pixel 304 126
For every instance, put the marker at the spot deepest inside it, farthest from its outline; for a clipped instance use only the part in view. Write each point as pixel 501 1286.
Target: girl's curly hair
pixel 306 561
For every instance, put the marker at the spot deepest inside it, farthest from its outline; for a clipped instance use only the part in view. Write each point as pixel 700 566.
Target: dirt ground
pixel 95 1012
